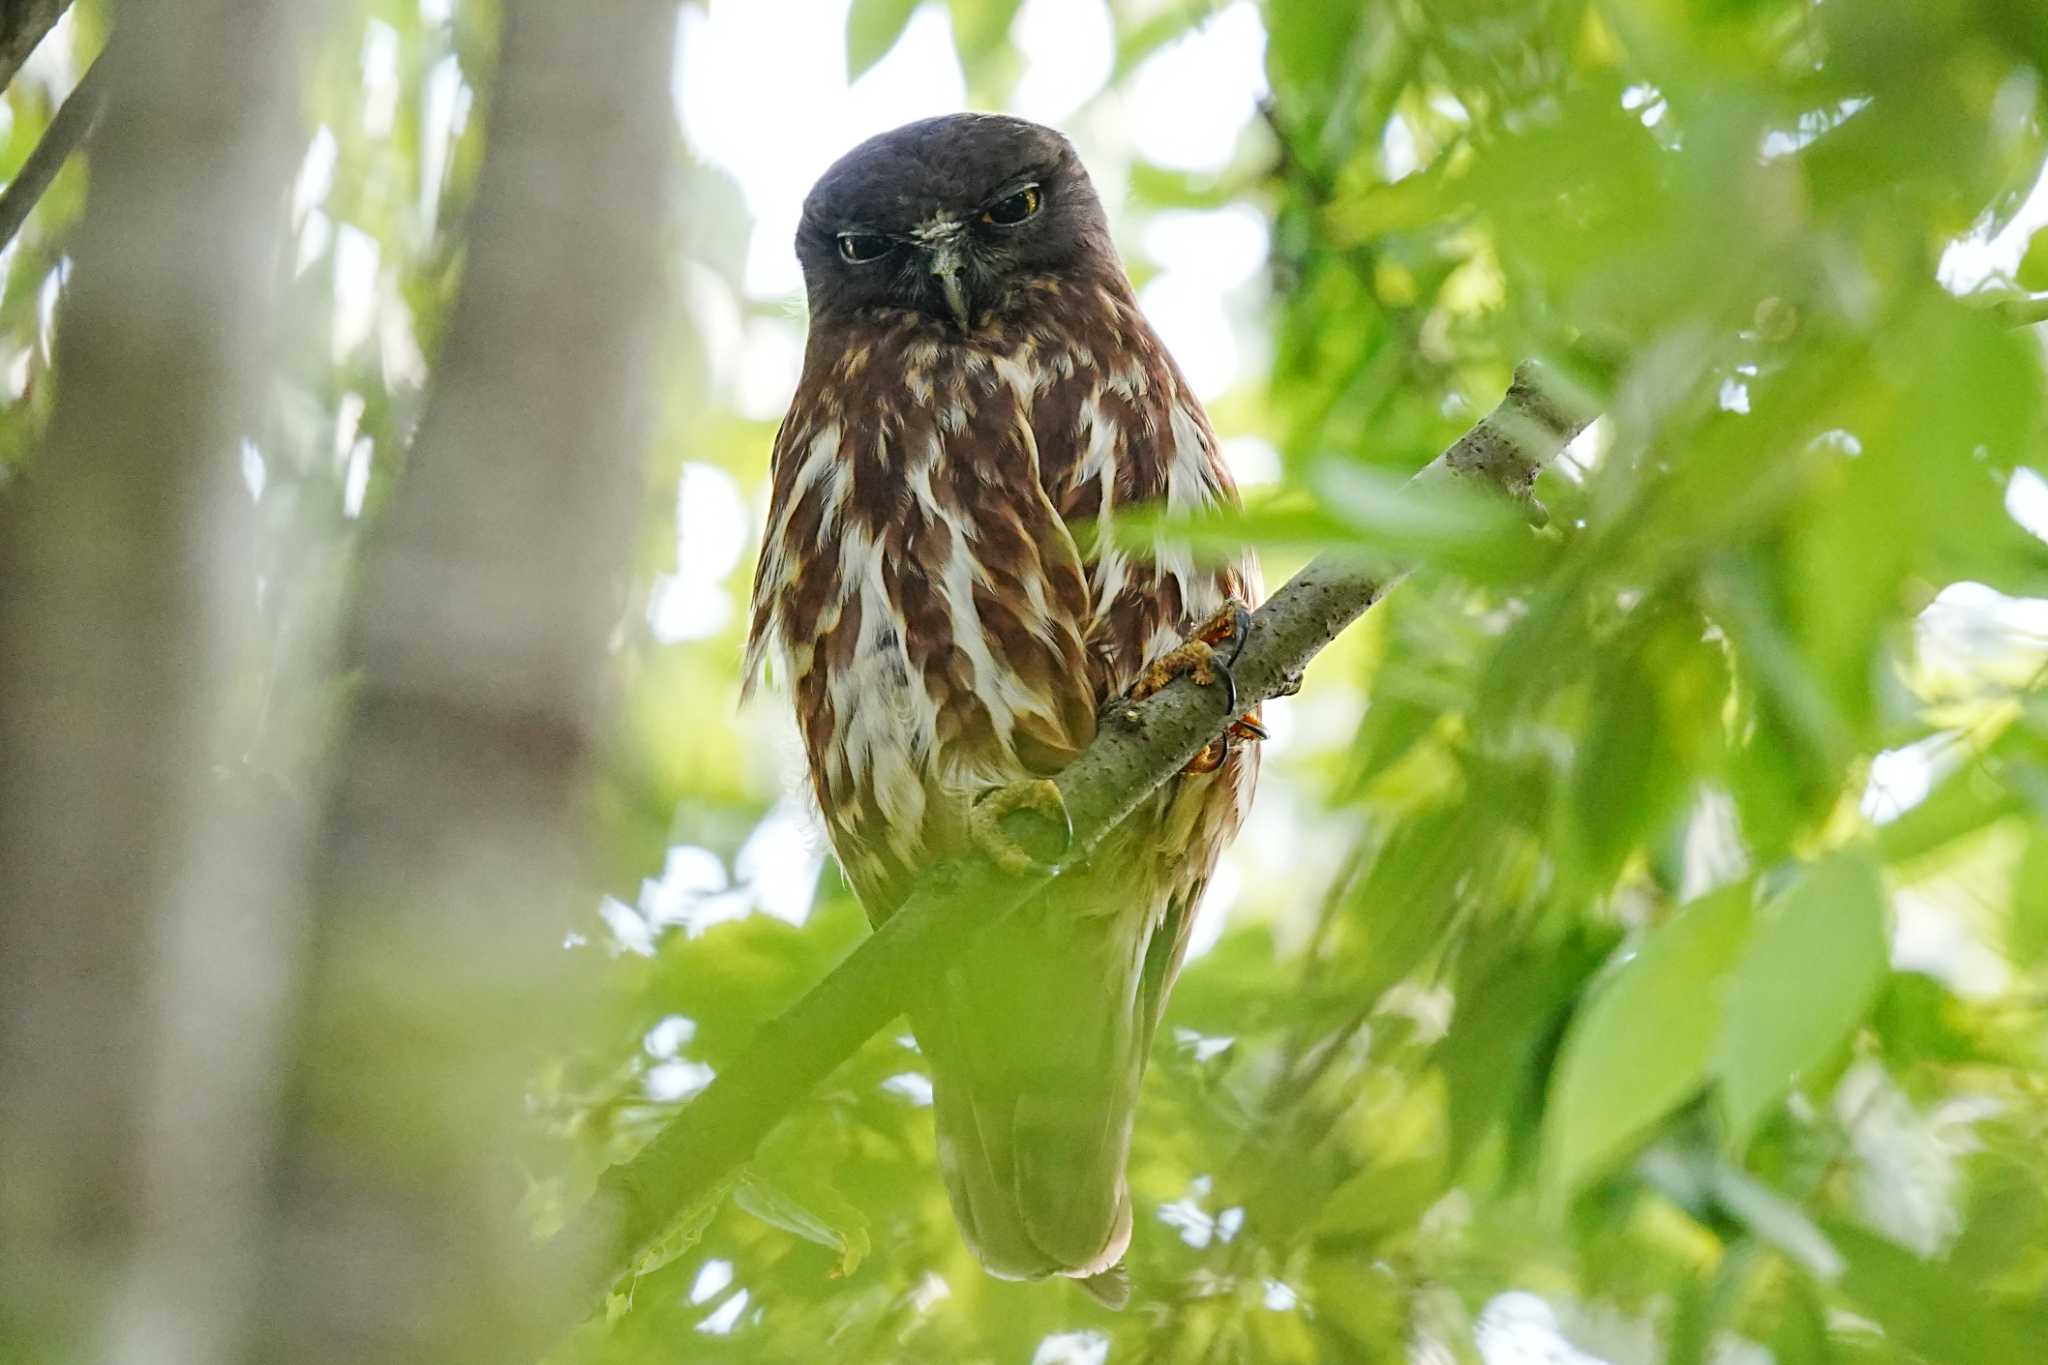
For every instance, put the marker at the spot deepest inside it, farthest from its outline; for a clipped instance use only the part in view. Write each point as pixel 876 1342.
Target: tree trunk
pixel 138 958
pixel 449 865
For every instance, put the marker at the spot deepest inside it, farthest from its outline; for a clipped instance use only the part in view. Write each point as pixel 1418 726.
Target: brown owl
pixel 943 587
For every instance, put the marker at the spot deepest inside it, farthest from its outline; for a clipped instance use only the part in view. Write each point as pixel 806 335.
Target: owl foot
pixel 985 823
pixel 1244 730
pixel 1207 657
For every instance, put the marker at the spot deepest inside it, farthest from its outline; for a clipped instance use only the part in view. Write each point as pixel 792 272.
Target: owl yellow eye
pixel 1014 210
pixel 859 247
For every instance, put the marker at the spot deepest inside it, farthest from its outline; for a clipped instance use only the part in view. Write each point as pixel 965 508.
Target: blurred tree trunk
pixel 449 868
pixel 23 24
pixel 138 959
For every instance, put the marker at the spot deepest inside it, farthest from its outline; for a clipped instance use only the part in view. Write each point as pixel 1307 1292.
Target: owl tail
pixel 1037 1050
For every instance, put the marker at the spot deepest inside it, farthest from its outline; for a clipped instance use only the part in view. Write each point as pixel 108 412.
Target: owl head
pixel 945 216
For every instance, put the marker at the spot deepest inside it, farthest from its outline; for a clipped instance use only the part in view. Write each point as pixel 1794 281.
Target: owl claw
pixel 985 823
pixel 1244 730
pixel 1225 634
pixel 1207 657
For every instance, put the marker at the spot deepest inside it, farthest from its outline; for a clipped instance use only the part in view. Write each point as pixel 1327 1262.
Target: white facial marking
pixel 937 228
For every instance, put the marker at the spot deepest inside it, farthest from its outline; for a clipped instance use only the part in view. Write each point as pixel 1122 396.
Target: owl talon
pixel 985 823
pixel 1206 657
pixel 1244 730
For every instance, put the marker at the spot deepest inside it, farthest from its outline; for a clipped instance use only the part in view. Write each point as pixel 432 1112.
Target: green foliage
pixel 1583 946
pixel 1806 980
pixel 1643 1041
pixel 1927 1308
pixel 1646 909
pixel 2033 271
pixel 872 28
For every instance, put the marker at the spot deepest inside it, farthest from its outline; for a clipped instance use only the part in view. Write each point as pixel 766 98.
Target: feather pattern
pixel 942 589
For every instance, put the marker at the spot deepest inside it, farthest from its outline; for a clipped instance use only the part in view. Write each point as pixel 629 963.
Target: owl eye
pixel 860 247
pixel 1014 210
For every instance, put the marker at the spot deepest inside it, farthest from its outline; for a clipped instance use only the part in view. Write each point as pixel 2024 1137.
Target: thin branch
pixel 23 25
pixel 2021 310
pixel 1141 746
pixel 70 128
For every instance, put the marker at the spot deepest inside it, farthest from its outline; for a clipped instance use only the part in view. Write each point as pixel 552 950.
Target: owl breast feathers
pixel 944 589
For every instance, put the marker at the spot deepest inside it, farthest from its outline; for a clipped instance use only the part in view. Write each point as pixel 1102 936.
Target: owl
pixel 944 587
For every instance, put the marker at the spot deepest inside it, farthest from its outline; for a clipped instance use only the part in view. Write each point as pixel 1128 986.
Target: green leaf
pixel 1505 1017
pixel 682 1233
pixel 1307 43
pixel 2027 936
pixel 1442 522
pixel 980 27
pixel 1786 775
pixel 1691 1332
pixel 1439 520
pixel 1843 573
pixel 1963 802
pixel 2006 1221
pixel 872 28
pixel 1926 1307
pixel 1809 976
pixel 1167 187
pixel 1802 1335
pixel 1393 723
pixel 1918 1020
pixel 1641 1044
pixel 839 1226
pixel 1404 900
pixel 1381 1200
pixel 1626 781
pixel 2033 273
pixel 1225 532
pixel 1360 1298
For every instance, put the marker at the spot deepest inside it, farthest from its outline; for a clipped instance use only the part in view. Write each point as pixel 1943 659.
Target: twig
pixel 72 125
pixel 2021 310
pixel 1140 746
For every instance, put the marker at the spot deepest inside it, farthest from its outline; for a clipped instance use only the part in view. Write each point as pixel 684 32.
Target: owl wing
pixel 1040 1036
pixel 1114 439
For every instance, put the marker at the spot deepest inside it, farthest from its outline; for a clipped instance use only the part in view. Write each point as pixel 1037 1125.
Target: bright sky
pixel 1982 255
pixel 761 89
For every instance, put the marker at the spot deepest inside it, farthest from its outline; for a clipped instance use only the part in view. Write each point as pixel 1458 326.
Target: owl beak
pixel 949 269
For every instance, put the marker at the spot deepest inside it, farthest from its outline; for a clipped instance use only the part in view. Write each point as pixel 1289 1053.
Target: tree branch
pixel 73 123
pixel 2021 310
pixel 1141 745
pixel 23 24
